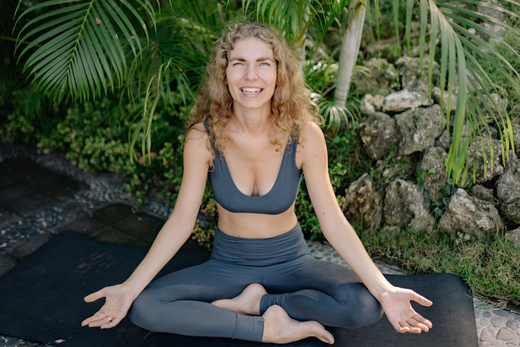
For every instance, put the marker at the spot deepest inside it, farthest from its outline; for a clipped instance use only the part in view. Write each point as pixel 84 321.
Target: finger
pixel 111 324
pixel 101 322
pixel 97 316
pixel 408 328
pixel 96 323
pixel 422 300
pixel 95 296
pixel 398 327
pixel 415 326
pixel 423 320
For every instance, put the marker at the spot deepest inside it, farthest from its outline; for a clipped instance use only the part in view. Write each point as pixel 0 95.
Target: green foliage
pixel 321 76
pixel 490 266
pixel 90 137
pixel 95 137
pixel 17 128
pixel 421 177
pixel 72 43
pixel 501 82
pixel 25 115
pixel 437 207
pixel 345 165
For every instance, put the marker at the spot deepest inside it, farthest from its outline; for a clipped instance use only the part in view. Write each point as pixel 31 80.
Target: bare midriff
pixel 255 225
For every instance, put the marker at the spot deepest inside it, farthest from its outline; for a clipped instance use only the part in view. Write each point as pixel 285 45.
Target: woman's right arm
pixel 170 239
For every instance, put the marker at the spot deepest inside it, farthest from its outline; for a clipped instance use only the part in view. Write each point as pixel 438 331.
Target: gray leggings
pixel 306 288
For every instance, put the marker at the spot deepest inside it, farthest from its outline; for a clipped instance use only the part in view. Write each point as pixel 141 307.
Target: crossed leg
pixel 310 289
pixel 181 303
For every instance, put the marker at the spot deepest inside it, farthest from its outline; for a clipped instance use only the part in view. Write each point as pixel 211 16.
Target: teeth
pixel 251 90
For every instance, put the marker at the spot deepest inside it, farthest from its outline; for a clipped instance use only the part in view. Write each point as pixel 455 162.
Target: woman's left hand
pixel 399 311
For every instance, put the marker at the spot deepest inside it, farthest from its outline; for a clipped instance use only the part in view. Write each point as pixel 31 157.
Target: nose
pixel 251 73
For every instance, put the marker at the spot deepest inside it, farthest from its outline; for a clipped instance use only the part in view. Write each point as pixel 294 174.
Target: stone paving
pixel 41 195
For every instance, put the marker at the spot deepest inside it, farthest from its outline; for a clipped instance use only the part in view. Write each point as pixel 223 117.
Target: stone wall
pixel 405 124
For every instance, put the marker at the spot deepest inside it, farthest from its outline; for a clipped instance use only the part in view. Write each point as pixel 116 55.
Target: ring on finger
pixel 109 319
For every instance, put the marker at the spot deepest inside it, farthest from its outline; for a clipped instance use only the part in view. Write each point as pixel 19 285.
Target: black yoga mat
pixel 41 299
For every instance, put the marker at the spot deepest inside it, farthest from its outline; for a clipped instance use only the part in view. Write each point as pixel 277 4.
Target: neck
pixel 251 121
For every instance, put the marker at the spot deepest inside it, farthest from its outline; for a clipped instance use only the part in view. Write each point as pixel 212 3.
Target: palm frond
pixel 175 60
pixel 335 115
pixel 77 46
pixel 292 17
pixel 460 70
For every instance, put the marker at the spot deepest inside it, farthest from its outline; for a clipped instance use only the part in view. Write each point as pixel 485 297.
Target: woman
pixel 254 132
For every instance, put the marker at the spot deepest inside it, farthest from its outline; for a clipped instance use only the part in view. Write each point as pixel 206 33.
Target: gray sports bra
pixel 277 200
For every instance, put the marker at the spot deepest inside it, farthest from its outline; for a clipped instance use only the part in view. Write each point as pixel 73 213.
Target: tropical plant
pixel 88 48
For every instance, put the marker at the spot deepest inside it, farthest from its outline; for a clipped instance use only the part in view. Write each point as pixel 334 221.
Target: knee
pixel 142 310
pixel 364 309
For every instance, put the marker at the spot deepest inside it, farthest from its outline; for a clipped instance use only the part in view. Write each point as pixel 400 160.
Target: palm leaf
pixel 175 59
pixel 291 17
pixel 77 46
pixel 458 52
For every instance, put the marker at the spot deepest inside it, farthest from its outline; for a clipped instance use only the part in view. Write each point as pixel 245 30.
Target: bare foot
pixel 248 302
pixel 280 328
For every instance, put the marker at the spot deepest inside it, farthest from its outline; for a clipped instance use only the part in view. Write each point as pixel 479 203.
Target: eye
pixel 237 64
pixel 264 64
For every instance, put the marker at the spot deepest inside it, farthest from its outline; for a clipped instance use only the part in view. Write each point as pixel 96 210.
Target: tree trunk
pixel 349 51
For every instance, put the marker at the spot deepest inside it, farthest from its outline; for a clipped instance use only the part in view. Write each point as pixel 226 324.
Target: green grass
pixel 491 267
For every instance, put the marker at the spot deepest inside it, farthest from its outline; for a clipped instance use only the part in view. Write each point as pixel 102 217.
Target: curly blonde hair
pixel 291 104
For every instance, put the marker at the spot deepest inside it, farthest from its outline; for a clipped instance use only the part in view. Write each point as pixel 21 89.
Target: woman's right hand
pixel 118 300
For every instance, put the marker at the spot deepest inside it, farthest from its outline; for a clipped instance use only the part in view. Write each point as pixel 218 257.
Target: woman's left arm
pixel 338 231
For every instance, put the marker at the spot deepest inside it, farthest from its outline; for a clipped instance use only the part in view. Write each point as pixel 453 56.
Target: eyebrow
pixel 259 59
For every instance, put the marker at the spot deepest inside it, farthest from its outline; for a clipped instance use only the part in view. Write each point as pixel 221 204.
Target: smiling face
pixel 251 74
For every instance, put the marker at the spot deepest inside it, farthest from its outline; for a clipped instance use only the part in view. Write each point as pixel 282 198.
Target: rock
pixel 379 77
pixel 11 342
pixel 489 25
pixel 418 128
pixel 411 79
pixel 404 100
pixel 502 313
pixel 512 324
pixel 403 207
pixel 482 193
pixel 371 104
pixel 443 141
pixel 388 49
pixel 363 203
pixel 496 105
pixel 508 191
pixel 493 132
pixel 398 166
pixel 493 169
pixel 437 97
pixel 497 322
pixel 378 134
pixel 470 215
pixel 516 135
pixel 485 336
pixel 434 158
pixel 514 236
pixel 506 334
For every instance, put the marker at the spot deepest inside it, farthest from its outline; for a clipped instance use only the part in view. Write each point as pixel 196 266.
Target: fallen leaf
pixel 58 341
pixel 98 21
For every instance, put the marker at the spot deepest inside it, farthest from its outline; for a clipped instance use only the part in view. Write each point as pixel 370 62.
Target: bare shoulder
pixel 313 139
pixel 196 145
pixel 197 133
pixel 311 145
pixel 312 132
